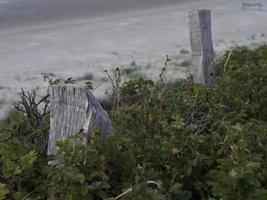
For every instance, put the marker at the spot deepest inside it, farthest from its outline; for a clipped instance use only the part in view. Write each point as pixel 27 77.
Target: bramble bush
pixel 170 141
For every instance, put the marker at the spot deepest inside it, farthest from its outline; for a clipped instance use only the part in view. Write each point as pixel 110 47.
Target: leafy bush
pixel 23 141
pixel 79 172
pixel 170 141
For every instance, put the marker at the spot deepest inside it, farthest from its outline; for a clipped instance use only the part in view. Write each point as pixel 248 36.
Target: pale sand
pixel 93 43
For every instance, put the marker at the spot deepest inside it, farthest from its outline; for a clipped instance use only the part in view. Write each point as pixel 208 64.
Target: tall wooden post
pixel 73 107
pixel 202 48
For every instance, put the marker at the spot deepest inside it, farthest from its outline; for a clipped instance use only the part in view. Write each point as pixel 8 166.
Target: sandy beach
pixel 77 39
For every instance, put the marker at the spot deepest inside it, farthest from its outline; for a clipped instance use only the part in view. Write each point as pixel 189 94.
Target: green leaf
pixel 183 195
pixel 176 188
pixel 3 191
pixel 28 160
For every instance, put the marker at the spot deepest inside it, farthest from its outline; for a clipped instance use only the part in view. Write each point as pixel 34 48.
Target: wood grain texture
pixel 202 48
pixel 73 107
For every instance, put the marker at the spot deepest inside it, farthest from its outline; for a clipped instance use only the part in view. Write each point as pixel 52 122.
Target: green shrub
pixel 184 51
pixel 23 141
pixel 170 141
pixel 79 172
pixel 86 77
pixel 185 63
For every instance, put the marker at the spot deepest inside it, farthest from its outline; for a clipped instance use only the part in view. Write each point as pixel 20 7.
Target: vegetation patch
pixel 170 141
pixel 184 51
pixel 185 63
pixel 48 74
pixel 133 71
pixel 86 77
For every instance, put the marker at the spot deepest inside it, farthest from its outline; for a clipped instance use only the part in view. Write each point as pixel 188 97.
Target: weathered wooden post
pixel 73 107
pixel 202 48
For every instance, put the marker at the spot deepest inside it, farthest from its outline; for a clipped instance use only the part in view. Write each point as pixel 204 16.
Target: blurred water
pixel 21 12
pixel 17 7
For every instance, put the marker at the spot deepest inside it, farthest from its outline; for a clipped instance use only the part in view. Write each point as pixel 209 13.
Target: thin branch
pixel 227 60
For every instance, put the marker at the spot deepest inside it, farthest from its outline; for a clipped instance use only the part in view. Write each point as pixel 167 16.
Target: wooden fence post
pixel 202 48
pixel 73 107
